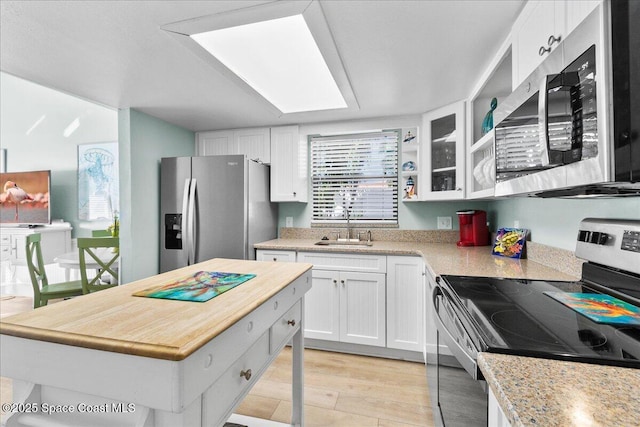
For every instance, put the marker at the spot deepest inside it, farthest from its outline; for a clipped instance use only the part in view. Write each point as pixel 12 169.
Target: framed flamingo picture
pixel 98 195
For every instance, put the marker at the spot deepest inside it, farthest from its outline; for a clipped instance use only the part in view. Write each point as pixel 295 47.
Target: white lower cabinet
pixel 373 300
pixel 346 306
pixel 496 416
pixel 405 312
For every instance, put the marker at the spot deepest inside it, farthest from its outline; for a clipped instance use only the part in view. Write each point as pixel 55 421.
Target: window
pixel 356 173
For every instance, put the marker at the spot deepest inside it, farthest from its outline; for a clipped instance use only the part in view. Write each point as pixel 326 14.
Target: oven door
pixel 458 396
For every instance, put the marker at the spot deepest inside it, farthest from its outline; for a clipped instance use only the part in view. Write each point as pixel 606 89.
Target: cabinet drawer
pixel 269 255
pixel 236 381
pixel 345 262
pixel 284 328
pixel 5 252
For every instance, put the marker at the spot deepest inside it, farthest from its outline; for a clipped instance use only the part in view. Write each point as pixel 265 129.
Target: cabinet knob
pixel 544 50
pixel 291 322
pixel 553 39
pixel 275 259
pixel 335 282
pixel 246 374
pixel 342 281
pixel 294 194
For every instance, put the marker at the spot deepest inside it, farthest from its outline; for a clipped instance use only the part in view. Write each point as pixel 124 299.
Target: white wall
pixel 43 146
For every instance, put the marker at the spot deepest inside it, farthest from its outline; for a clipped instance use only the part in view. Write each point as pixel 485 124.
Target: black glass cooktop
pixel 516 316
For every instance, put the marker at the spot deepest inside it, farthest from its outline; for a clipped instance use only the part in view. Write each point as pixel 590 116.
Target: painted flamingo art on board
pixel 15 195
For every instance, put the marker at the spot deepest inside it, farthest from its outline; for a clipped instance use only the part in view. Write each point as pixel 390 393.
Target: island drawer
pixel 234 383
pixel 284 328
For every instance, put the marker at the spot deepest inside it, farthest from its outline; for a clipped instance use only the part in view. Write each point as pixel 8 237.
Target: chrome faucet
pixel 346 215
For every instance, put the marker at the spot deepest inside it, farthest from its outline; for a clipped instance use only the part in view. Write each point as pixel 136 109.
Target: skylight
pixel 280 60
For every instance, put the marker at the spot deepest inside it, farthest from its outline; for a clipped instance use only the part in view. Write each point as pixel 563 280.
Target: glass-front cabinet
pixel 443 153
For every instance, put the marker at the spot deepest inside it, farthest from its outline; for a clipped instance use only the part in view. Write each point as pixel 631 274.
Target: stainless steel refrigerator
pixel 213 207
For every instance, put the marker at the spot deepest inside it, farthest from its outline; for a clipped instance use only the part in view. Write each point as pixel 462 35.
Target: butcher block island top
pixel 114 320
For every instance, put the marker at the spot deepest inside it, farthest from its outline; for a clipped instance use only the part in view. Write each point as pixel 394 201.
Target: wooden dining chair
pixel 103 252
pixel 42 290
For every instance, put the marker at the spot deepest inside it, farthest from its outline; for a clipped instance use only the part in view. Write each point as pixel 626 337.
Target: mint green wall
pixel 144 140
pixel 411 216
pixel 554 222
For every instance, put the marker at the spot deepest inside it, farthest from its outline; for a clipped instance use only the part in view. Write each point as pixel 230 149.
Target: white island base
pixel 82 386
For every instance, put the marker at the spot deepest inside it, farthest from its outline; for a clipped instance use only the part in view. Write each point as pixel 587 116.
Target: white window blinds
pixel 358 173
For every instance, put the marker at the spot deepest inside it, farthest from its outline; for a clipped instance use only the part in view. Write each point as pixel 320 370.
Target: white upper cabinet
pixel 537 32
pixel 442 153
pixel 541 26
pixel 288 165
pixel 213 143
pixel 577 11
pixel 255 143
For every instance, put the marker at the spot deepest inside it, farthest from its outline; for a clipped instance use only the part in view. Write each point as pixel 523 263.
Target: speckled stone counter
pixel 441 258
pixel 540 392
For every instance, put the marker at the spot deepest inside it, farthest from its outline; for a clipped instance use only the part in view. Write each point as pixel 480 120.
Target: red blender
pixel 473 228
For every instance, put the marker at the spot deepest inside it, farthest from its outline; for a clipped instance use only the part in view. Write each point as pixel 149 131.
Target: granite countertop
pixel 440 258
pixel 540 392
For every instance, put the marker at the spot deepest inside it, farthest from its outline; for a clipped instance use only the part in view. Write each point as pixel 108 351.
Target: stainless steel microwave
pixel 572 127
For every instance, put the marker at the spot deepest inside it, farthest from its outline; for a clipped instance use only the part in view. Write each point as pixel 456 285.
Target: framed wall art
pixel 98 183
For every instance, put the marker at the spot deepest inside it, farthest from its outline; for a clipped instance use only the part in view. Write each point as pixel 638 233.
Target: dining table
pixel 71 260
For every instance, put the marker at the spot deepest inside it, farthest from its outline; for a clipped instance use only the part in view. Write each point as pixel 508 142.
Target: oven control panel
pixel 611 242
pixel 630 241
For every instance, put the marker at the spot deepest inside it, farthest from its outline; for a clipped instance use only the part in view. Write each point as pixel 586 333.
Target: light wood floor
pixel 340 389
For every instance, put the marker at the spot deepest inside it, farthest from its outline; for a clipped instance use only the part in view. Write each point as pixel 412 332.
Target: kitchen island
pixel 111 358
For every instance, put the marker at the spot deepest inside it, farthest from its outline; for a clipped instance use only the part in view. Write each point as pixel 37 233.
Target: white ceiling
pixel 402 57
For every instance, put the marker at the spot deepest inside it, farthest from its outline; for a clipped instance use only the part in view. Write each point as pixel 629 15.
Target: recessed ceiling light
pixel 280 60
pixel 281 52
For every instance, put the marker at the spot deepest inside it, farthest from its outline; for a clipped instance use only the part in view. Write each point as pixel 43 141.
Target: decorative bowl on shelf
pixel 408 166
pixel 409 138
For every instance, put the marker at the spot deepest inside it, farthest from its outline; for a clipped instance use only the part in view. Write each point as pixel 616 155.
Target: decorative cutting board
pixel 599 307
pixel 200 287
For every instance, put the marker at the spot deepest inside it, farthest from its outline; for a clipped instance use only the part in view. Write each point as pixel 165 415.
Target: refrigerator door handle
pixel 191 224
pixel 184 224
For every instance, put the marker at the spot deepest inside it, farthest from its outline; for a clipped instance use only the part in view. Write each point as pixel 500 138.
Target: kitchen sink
pixel 347 243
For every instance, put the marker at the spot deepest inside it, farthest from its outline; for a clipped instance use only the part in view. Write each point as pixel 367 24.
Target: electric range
pixel 593 320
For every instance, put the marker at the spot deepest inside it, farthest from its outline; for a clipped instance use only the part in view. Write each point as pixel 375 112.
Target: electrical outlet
pixel 444 223
pixel 288 222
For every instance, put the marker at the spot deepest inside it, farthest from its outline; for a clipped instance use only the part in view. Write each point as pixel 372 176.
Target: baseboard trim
pixel 364 350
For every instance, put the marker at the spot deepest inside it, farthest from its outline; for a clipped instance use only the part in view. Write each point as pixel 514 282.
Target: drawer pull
pixel 275 259
pixel 291 322
pixel 246 374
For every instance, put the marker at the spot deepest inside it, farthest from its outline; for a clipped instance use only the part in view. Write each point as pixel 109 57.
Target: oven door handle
pixel 461 354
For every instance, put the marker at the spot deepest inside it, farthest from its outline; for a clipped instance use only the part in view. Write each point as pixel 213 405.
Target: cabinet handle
pixel 246 374
pixel 291 322
pixel 544 50
pixel 553 39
